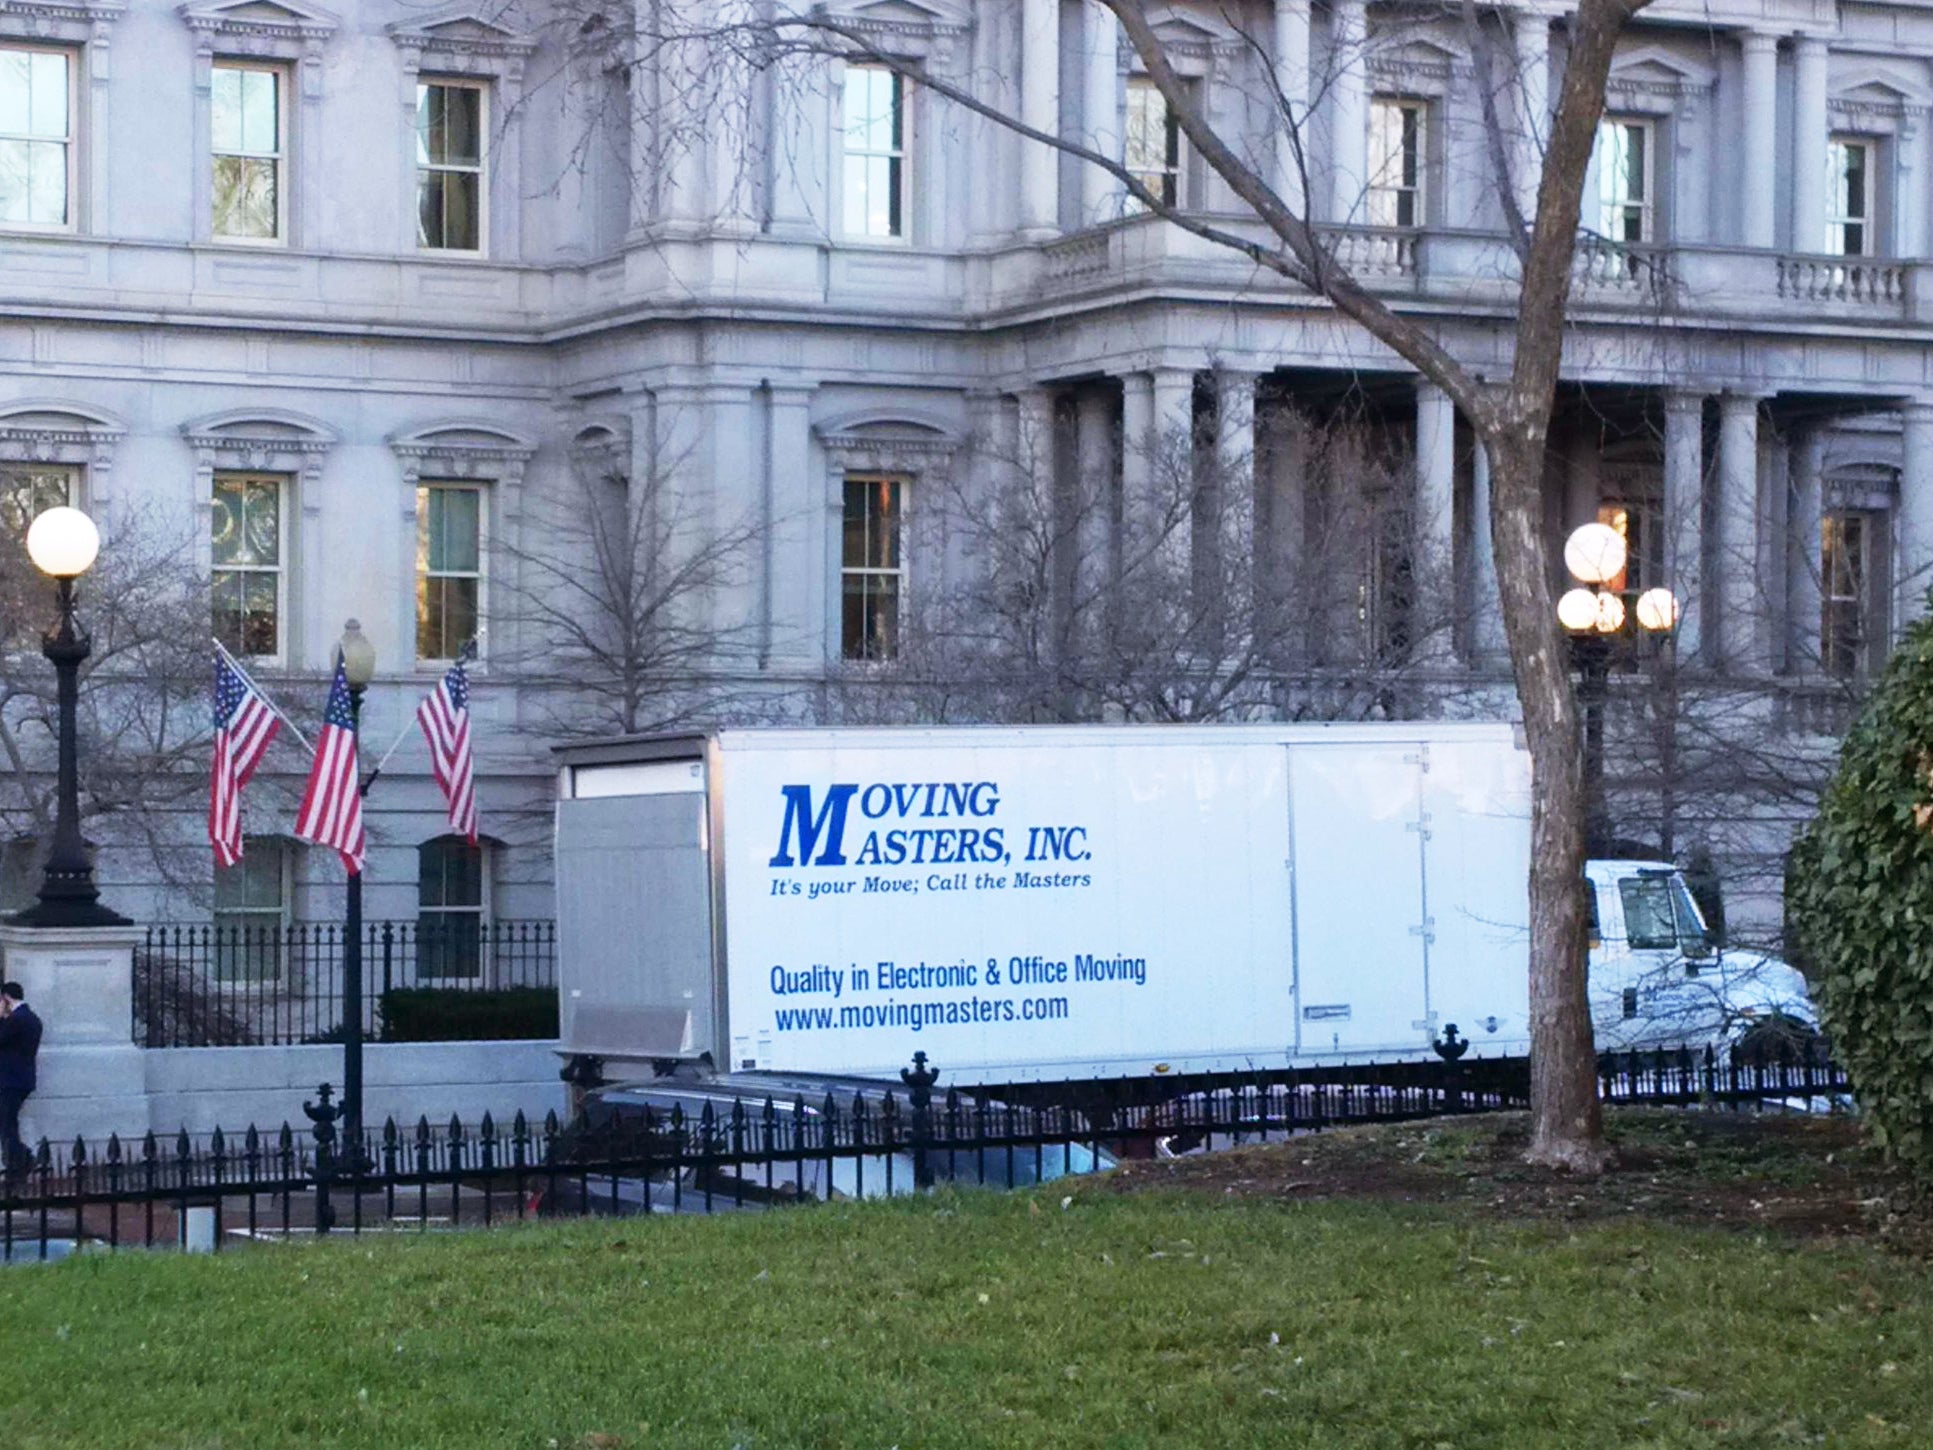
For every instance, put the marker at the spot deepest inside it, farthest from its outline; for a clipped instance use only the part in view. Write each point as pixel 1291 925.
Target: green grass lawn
pixel 1121 1319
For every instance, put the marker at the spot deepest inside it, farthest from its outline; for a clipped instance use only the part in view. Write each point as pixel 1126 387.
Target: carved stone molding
pixel 69 22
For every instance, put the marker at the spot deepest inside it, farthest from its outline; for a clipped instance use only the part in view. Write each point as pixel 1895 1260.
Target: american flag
pixel 244 726
pixel 331 811
pixel 445 718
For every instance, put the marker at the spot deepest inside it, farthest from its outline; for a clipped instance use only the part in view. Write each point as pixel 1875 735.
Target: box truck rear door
pixel 1360 947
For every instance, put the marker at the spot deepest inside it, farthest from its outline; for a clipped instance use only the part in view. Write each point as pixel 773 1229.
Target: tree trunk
pixel 1566 1121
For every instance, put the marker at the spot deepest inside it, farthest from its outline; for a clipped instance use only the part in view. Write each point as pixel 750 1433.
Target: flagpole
pixel 274 709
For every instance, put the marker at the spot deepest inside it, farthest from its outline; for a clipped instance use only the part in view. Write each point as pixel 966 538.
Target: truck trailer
pixel 1043 903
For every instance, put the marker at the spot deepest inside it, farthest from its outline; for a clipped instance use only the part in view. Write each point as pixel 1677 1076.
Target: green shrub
pixel 433 1014
pixel 1861 896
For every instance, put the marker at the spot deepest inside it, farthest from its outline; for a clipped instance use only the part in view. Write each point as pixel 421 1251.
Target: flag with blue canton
pixel 245 723
pixel 331 810
pixel 445 718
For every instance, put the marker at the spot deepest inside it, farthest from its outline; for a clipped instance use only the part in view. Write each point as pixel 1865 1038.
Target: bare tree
pixel 1510 413
pixel 1216 594
pixel 619 608
pixel 143 717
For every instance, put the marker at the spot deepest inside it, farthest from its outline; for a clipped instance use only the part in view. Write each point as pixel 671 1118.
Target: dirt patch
pixel 1781 1173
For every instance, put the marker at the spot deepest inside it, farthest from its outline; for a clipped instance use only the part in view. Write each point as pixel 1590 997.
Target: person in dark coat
pixel 19 1043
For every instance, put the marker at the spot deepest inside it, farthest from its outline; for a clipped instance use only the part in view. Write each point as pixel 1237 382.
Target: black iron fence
pixel 228 985
pixel 233 1190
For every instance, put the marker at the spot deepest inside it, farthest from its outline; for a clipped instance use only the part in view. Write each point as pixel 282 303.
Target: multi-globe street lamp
pixel 1594 615
pixel 63 543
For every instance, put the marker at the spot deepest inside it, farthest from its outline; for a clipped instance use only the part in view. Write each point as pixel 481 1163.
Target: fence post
pixel 389 948
pixel 324 1117
pixel 1451 1047
pixel 919 1080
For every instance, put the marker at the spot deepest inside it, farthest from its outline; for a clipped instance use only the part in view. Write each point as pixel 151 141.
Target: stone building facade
pixel 363 295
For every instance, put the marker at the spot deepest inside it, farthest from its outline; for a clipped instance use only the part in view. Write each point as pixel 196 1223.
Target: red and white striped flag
pixel 331 811
pixel 244 726
pixel 445 718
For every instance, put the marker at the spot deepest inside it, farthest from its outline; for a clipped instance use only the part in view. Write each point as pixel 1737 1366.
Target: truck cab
pixel 1657 978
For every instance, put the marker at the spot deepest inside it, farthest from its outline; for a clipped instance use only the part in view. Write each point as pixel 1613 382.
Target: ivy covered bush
pixel 1860 893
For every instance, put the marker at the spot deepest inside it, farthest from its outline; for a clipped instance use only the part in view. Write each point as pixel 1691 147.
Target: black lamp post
pixel 1593 616
pixel 62 543
pixel 358 669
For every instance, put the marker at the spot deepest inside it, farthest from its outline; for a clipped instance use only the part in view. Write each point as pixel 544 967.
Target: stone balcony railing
pixel 1472 272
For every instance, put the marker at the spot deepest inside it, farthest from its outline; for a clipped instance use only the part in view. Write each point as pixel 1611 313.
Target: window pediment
pixel 464 40
pixel 72 22
pixel 463 448
pixel 277 442
pixel 51 432
pixel 1653 79
pixel 270 28
pixel 1417 65
pixel 886 443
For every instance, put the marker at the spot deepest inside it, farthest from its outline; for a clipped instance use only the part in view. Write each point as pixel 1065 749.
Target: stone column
pixel 1158 446
pixel 1097 540
pixel 792 548
pixel 1914 569
pixel 1040 109
pixel 1909 187
pixel 1229 503
pixel 1487 643
pixel 1349 110
pixel 1531 34
pixel 1432 529
pixel 1803 555
pixel 1735 563
pixel 1758 139
pixel 1100 109
pixel 1292 79
pixel 1685 514
pixel 1809 134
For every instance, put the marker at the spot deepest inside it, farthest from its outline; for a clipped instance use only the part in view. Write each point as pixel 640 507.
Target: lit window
pixel 872 574
pixel 449 166
pixel 449 568
pixel 875 154
pixel 451 908
pixel 247 544
pixel 1845 596
pixel 1640 523
pixel 1153 142
pixel 248 140
pixel 1398 142
pixel 251 909
pixel 1625 180
pixel 30 489
pixel 1849 197
pixel 36 137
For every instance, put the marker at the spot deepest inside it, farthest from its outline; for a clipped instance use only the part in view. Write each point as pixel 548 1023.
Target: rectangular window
pixel 1640 523
pixel 30 489
pixel 449 166
pixel 251 909
pixel 1626 186
pixel 248 138
pixel 875 152
pixel 451 885
pixel 1398 153
pixel 1845 560
pixel 1849 197
pixel 872 576
pixel 449 568
pixel 248 519
pixel 36 137
pixel 1153 142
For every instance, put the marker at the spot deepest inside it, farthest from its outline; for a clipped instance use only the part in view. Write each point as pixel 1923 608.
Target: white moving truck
pixel 1047 903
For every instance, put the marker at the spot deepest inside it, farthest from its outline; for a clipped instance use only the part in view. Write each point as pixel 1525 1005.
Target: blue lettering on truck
pixel 804 831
